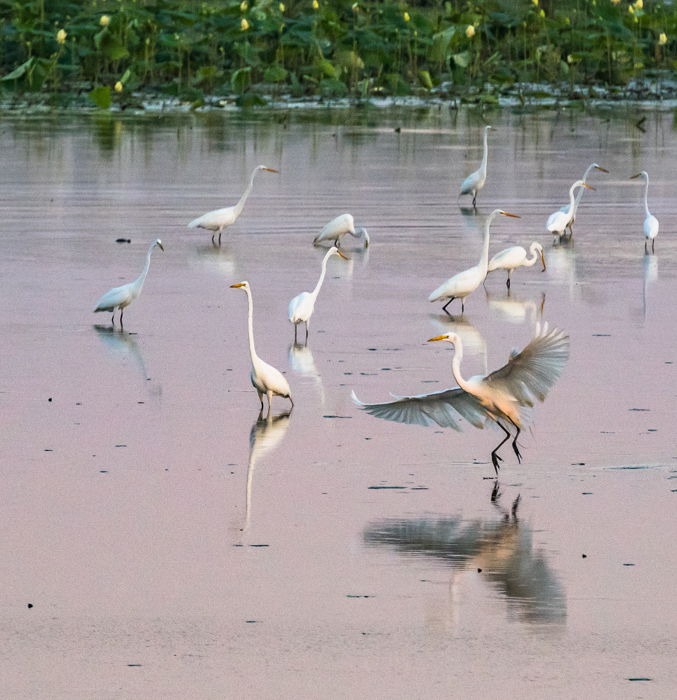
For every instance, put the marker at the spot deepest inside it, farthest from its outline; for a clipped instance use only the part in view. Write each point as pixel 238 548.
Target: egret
pixel 466 282
pixel 123 296
pixel 559 220
pixel 338 227
pixel 514 257
pixel 650 221
pixel 579 194
pixel 218 219
pixel 264 377
pixel 475 181
pixel 501 396
pixel 301 307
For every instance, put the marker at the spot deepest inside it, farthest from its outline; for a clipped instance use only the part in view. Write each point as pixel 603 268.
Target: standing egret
pixel 559 220
pixel 218 219
pixel 301 307
pixel 264 377
pixel 475 181
pixel 650 221
pixel 120 297
pixel 499 396
pixel 514 257
pixel 466 282
pixel 579 194
pixel 338 227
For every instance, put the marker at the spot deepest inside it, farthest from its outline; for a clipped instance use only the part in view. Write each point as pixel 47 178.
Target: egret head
pixel 536 247
pixel 507 213
pixel 337 251
pixel 641 173
pixel 158 243
pixel 449 337
pixel 582 183
pixel 266 169
pixel 600 168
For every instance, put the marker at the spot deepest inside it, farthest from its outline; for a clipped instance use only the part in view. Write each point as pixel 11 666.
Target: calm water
pixel 173 545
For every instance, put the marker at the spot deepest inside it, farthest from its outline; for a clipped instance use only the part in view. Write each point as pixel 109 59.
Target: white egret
pixel 475 181
pixel 514 257
pixel 559 220
pixel 466 282
pixel 301 307
pixel 264 377
pixel 340 226
pixel 123 296
pixel 579 194
pixel 501 396
pixel 218 219
pixel 650 221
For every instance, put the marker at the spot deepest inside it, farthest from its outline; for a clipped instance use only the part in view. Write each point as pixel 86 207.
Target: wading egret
pixel 500 397
pixel 475 181
pixel 340 226
pixel 218 219
pixel 466 282
pixel 514 257
pixel 301 307
pixel 650 221
pixel 579 194
pixel 264 377
pixel 559 220
pixel 120 297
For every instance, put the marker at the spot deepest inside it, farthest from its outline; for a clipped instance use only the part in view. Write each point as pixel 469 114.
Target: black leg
pixel 444 308
pixel 121 312
pixel 495 459
pixel 474 200
pixel 462 305
pixel 514 442
pixel 653 243
pixel 306 332
pixel 296 326
pixel 507 284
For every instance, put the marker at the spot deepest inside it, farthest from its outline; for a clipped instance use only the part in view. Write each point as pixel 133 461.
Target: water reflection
pixel 562 267
pixel 501 552
pixel 217 259
pixel 302 362
pixel 264 436
pixel 473 340
pixel 513 309
pixel 650 270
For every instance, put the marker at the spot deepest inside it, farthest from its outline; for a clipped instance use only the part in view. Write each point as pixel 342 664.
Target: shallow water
pixel 171 544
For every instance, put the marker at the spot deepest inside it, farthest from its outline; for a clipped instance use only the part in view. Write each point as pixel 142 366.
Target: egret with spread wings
pixel 500 397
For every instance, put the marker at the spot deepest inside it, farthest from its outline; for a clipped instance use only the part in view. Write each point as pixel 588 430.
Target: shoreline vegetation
pixel 190 54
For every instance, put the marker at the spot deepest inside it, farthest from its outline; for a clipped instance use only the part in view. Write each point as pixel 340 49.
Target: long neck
pixel 318 286
pixel 579 194
pixel 646 196
pixel 138 283
pixel 532 258
pixel 484 257
pixel 250 326
pixel 485 153
pixel 572 201
pixel 240 205
pixel 456 365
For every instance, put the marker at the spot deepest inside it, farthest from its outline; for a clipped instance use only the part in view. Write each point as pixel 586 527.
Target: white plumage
pixel 339 227
pixel 559 220
pixel 514 257
pixel 475 181
pixel 650 221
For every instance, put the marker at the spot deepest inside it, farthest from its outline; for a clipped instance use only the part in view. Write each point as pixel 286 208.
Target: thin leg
pixel 515 505
pixel 474 200
pixel 444 308
pixel 495 492
pixel 306 332
pixel 495 459
pixel 291 401
pixel 260 399
pixel 514 442
pixel 112 318
pixel 270 401
pixel 507 284
pixel 296 325
pixel 121 312
pixel 653 243
pixel 213 241
pixel 462 305
pixel 220 232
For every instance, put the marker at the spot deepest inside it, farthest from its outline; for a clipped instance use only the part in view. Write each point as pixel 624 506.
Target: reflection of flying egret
pixel 466 282
pixel 650 221
pixel 264 377
pixel 475 181
pixel 527 376
pixel 559 220
pixel 301 307
pixel 218 219
pixel 579 194
pixel 265 435
pixel 514 257
pixel 340 226
pixel 121 297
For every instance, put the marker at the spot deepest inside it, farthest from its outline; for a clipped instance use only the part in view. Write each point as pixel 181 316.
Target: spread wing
pixel 530 374
pixel 441 408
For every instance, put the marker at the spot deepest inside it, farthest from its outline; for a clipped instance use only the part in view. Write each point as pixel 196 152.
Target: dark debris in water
pixel 639 678
pixel 642 410
pixel 628 564
pixel 123 240
pixel 387 487
pixel 330 415
pixel 351 595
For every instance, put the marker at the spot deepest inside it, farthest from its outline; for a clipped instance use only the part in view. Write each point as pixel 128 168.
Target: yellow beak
pixel 437 337
pixel 514 216
pixel 237 286
pixel 343 255
pixel 270 170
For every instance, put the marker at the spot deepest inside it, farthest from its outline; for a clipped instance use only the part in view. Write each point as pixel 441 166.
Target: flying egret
pixel 579 194
pixel 338 227
pixel 650 221
pixel 499 396
pixel 218 219
pixel 514 257
pixel 301 307
pixel 466 282
pixel 559 220
pixel 264 377
pixel 475 181
pixel 120 297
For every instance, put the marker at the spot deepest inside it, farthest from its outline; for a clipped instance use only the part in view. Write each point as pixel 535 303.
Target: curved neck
pixel 456 365
pixel 646 195
pixel 485 152
pixel 318 286
pixel 240 205
pixel 250 325
pixel 533 257
pixel 138 283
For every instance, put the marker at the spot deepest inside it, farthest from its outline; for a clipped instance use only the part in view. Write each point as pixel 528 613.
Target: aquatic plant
pixel 109 49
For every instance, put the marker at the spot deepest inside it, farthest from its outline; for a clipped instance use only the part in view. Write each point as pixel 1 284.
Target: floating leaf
pixel 101 97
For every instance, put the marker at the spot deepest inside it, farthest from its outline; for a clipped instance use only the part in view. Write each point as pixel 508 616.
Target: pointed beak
pixel 543 261
pixel 588 187
pixel 599 167
pixel 161 247
pixel 632 177
pixel 237 286
pixel 437 337
pixel 514 216
pixel 271 170
pixel 342 254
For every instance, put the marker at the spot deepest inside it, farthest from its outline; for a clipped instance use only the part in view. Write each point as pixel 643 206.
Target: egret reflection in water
pixel 473 340
pixel 516 309
pixel 650 275
pixel 503 549
pixel 264 436
pixel 302 362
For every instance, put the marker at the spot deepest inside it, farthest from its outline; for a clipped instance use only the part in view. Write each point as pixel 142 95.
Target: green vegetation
pixel 109 49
